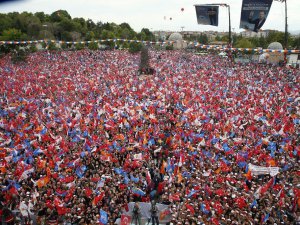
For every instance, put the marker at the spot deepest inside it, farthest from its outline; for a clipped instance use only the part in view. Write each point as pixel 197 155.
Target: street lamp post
pixel 230 37
pixel 285 31
pixel 285 34
pixel 229 19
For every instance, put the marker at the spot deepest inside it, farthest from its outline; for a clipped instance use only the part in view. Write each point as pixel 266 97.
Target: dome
pixel 175 37
pixel 275 46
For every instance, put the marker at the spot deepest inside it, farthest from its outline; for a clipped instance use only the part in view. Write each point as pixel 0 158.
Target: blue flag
pixel 103 217
pixel 126 179
pixel 203 209
pixel 192 193
pixel 44 131
pixel 138 191
pixel 253 204
pixel 242 164
pixel 76 139
pixel 226 147
pixel 37 151
pixel 80 171
pixel 134 179
pixel 119 171
pixel 266 217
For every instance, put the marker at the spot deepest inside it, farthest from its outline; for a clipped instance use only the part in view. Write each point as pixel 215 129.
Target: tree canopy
pixel 59 25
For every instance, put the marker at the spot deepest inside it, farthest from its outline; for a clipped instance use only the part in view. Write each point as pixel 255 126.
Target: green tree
pixel 66 36
pixel 169 47
pixel 52 46
pixel 42 17
pixel 236 38
pixel 76 36
pixel 59 15
pixel 64 46
pixel 5 22
pixel 93 45
pixel 135 47
pixel 45 34
pixel 11 34
pixel 79 46
pixel 244 43
pixel 262 42
pixel 90 25
pixel 218 38
pixel 203 39
pixel 296 43
pixel 32 48
pixel 225 38
pixel 126 34
pixel 67 24
pixel 90 36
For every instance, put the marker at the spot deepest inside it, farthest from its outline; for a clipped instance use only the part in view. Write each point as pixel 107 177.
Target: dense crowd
pixel 83 135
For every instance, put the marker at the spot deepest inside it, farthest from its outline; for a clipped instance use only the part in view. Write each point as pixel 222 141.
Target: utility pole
pixel 285 34
pixel 286 44
pixel 230 36
pixel 229 20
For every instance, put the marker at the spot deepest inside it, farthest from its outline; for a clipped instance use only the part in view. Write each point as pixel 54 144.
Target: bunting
pixel 163 43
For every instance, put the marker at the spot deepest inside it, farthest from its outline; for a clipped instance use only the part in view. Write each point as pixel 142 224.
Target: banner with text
pixel 254 14
pixel 261 170
pixel 207 14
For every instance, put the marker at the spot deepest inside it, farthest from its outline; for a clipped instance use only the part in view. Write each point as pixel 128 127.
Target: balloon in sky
pixel 170 18
pixel 182 9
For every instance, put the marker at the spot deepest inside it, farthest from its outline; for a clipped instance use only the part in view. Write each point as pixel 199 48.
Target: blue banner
pixel 254 14
pixel 207 14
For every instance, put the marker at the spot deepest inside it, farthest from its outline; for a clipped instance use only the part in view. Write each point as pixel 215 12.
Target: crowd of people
pixel 82 136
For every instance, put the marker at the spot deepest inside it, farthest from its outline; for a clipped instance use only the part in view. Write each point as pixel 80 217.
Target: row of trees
pixel 61 26
pixel 242 42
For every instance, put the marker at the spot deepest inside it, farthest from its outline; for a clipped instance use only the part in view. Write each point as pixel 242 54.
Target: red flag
pixel 215 221
pixel 148 177
pixel 125 220
pixel 267 186
pixel 160 187
pixel 218 208
pixel 174 197
pixel 189 207
pixel 98 198
pixel 241 202
pixel 224 167
pixel 88 192
pixel 220 192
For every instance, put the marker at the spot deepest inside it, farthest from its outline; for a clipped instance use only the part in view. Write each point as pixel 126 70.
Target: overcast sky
pixel 156 14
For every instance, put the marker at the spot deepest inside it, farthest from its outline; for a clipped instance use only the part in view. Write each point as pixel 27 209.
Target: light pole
pixel 285 31
pixel 285 34
pixel 229 19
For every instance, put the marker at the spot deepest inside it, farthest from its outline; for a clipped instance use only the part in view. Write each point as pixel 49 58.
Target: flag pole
pixel 285 34
pixel 230 37
pixel 229 17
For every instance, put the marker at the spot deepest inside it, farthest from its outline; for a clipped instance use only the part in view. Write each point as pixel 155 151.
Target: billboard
pixel 207 14
pixel 254 14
